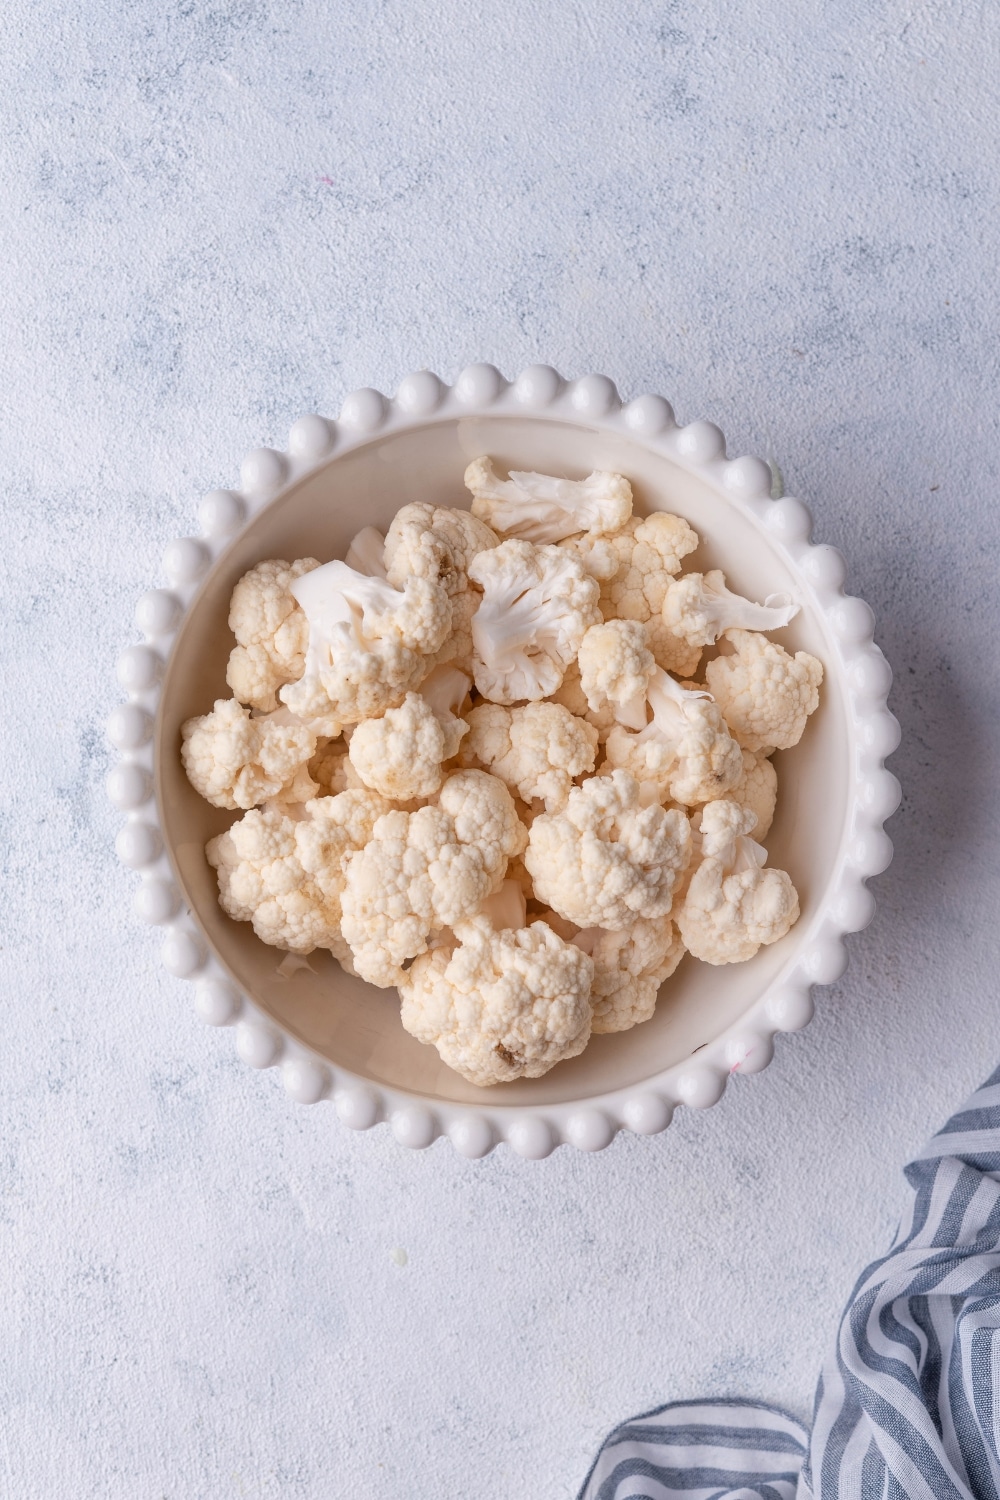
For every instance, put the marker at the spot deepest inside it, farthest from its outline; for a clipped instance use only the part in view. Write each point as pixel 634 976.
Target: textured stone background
pixel 219 214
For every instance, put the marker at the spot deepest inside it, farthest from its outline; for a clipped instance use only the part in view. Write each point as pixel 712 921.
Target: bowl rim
pixel 422 399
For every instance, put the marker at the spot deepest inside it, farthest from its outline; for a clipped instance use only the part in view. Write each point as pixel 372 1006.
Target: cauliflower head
pixel 369 644
pixel 629 968
pixel 536 749
pixel 425 870
pixel 605 860
pixel 733 905
pixel 434 541
pixel 685 752
pixel 699 607
pixel 541 508
pixel 616 665
pixel 757 789
pixel 271 632
pixel 650 551
pixel 571 695
pixel 538 602
pixel 236 761
pixel 765 694
pixel 286 875
pixel 502 1005
pixel 401 754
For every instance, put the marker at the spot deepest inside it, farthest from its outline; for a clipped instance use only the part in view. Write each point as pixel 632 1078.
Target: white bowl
pixel 337 1037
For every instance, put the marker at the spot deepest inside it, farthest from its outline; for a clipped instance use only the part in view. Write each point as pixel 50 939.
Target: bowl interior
pixel 348 1021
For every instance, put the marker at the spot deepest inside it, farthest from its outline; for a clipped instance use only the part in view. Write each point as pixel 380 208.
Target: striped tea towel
pixel 908 1403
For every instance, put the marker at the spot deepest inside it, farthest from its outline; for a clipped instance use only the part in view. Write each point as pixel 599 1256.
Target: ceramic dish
pixel 334 1037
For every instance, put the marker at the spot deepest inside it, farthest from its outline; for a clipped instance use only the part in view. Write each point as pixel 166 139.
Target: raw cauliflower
pixel 271 632
pixel 616 665
pixel 542 508
pixel 765 694
pixel 650 552
pixel 536 750
pixel 401 754
pixel 733 905
pixel 699 607
pixel 369 644
pixel 286 874
pixel 757 789
pixel 571 695
pixel 425 870
pixel 434 541
pixel 605 860
pixel 629 968
pixel 685 752
pixel 234 760
pixel 502 1005
pixel 538 602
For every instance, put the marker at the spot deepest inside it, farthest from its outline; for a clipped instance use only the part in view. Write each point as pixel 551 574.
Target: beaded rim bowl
pixel 336 476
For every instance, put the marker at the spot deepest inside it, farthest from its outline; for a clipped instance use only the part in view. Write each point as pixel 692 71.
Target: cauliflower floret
pixel 629 968
pixel 502 1005
pixel 650 552
pixel 571 695
pixel 765 694
pixel 757 789
pixel 616 665
pixel 541 508
pixel 366 553
pixel 604 860
pixel 331 769
pixel 401 754
pixel 286 874
pixel 596 553
pixel 435 541
pixel 699 607
pixel 733 905
pixel 234 760
pixel 271 632
pixel 538 602
pixel 425 870
pixel 685 752
pixel 369 644
pixel 536 750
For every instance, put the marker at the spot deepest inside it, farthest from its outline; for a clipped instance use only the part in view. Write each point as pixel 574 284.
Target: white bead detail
pixel 216 1002
pixel 183 954
pixel 853 621
pixel 826 961
pixel 880 734
pixel 363 411
pixel 310 437
pixel 258 1044
pixel 357 1107
pixel 479 385
pixel 138 845
pixel 648 416
pixel 420 393
pixel 138 669
pixel 220 513
pixel 788 519
pixel 594 396
pixel 589 1130
pixel 471 1135
pixel 700 441
pixel 647 1114
pixel 413 1126
pixel 790 1009
pixel 157 612
pixel 854 908
pixel 155 902
pixel 825 566
pixel 871 674
pixel 881 795
pixel 305 1080
pixel 129 726
pixel 749 478
pixel 128 786
pixel 700 1087
pixel 185 561
pixel 531 1137
pixel 871 851
pixel 748 1053
pixel 263 472
pixel 538 385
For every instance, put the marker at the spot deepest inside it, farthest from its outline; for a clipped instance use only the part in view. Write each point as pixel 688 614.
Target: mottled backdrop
pixel 219 214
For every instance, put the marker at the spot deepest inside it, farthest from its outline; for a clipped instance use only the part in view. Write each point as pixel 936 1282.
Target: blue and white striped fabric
pixel 908 1404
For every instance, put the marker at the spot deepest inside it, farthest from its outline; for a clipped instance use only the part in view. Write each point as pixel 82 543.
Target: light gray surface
pixel 220 215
